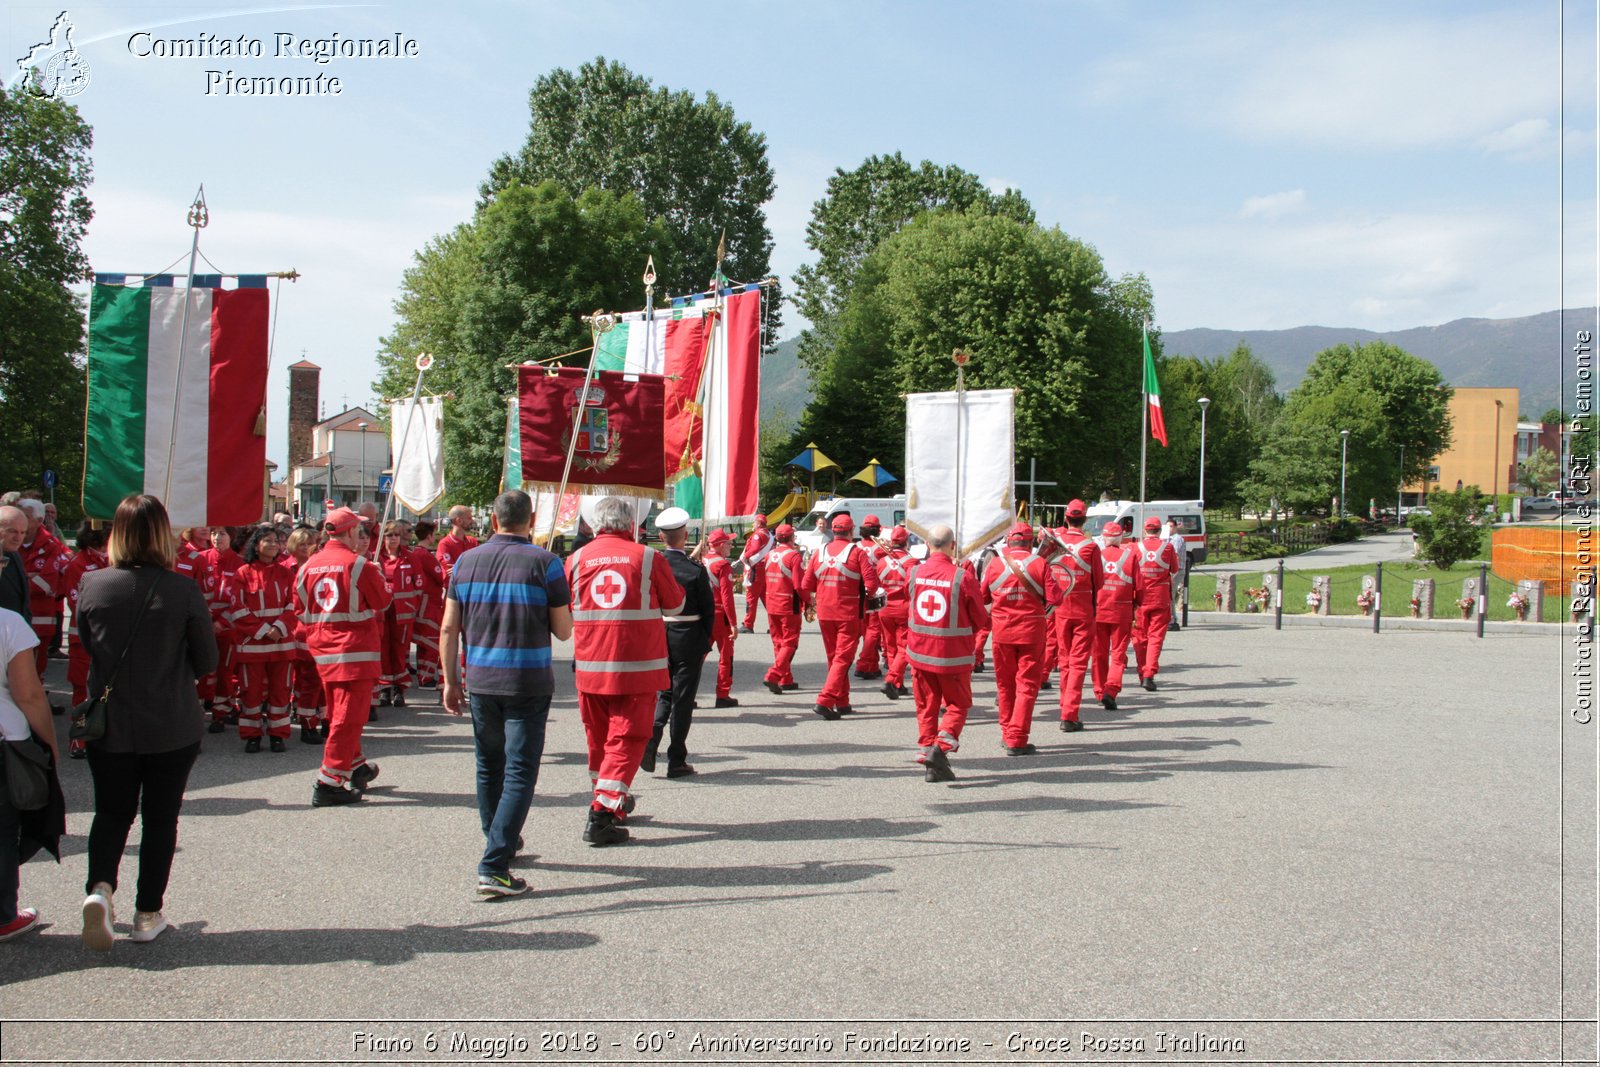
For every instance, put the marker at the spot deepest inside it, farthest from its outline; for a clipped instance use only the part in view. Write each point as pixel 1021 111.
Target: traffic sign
pixel 49 478
pixel 385 483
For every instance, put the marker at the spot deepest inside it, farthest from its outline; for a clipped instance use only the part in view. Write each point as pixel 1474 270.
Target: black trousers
pixel 150 786
pixel 687 647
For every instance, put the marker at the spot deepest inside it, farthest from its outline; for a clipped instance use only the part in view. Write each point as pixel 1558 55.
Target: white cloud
pixel 1521 139
pixel 998 186
pixel 1273 205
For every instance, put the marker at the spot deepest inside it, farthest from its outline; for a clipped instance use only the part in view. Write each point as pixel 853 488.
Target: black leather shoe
pixel 602 829
pixel 647 762
pixel 1148 683
pixel 937 767
pixel 977 668
pixel 844 709
pixel 774 688
pixel 385 697
pixel 791 687
pixel 727 702
pixel 232 718
pixel 826 712
pixel 1021 750
pixel 277 745
pixel 399 700
pixel 372 713
pixel 253 745
pixel 331 796
pixel 1070 726
pixel 628 804
pixel 309 735
pixel 747 629
pixel 363 776
pixel 1046 685
pixel 57 710
pixel 891 691
pixel 1109 703
pixel 216 727
pixel 868 676
pixel 682 770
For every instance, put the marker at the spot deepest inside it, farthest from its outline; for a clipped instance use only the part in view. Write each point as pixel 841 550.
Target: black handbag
pixel 89 718
pixel 28 766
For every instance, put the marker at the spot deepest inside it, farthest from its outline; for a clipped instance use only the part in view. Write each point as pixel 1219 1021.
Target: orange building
pixel 1483 443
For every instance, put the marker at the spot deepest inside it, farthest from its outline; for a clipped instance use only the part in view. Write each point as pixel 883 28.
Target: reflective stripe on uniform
pixel 613 667
pixel 338 616
pixel 940 661
pixel 355 589
pixel 348 657
pixel 615 614
pixel 611 785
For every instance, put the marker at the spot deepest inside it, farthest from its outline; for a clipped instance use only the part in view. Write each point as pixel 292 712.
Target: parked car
pixel 1533 506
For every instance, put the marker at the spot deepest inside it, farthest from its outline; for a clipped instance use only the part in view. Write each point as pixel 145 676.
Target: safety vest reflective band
pixel 616 614
pixel 1074 553
pixel 761 553
pixel 835 562
pixel 1118 568
pixel 349 657
pixel 952 626
pixel 1016 568
pixel 355 586
pixel 937 661
pixel 896 565
pixel 338 616
pixel 627 667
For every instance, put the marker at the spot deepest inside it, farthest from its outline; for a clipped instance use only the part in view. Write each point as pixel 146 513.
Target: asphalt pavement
pixel 1391 546
pixel 1314 844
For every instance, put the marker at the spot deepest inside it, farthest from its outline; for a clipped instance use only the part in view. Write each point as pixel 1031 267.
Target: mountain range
pixel 1529 353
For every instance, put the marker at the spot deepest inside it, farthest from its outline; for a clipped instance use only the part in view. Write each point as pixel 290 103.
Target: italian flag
pixel 150 385
pixel 729 440
pixel 1152 394
pixel 670 342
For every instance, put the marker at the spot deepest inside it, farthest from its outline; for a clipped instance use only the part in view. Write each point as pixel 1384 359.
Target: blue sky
pixel 1375 165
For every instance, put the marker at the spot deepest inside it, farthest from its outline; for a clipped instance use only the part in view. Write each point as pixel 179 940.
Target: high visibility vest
pixel 620 591
pixel 757 547
pixel 837 575
pixel 894 577
pixel 1158 562
pixel 1120 582
pixel 338 596
pixel 782 569
pixel 1018 596
pixel 1077 572
pixel 945 608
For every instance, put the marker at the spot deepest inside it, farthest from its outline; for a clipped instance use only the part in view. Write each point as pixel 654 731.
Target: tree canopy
pixel 44 211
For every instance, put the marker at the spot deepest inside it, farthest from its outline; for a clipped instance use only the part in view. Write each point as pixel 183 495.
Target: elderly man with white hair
pixel 13 577
pixel 45 560
pixel 620 592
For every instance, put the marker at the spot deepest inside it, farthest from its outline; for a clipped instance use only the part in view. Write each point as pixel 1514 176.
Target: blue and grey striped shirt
pixel 505 588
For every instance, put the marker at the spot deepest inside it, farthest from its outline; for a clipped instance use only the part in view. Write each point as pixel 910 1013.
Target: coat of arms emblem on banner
pixel 599 445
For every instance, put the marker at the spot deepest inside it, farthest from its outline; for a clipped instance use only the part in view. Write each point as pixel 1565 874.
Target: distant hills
pixel 1528 353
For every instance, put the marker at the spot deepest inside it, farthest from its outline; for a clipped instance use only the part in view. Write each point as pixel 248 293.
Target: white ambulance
pixel 1189 514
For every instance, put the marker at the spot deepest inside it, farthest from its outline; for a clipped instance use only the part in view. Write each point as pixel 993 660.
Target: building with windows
pixel 350 455
pixel 1484 443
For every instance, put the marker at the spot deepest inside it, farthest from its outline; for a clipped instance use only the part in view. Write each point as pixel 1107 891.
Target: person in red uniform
pixel 405 586
pixel 621 590
pixel 457 541
pixel 725 630
pixel 1076 569
pixel 44 561
pixel 431 614
pixel 338 595
pixel 945 608
pixel 836 585
pixel 309 703
pixel 895 568
pixel 871 634
pixel 781 588
pixel 219 564
pixel 90 557
pixel 1113 616
pixel 1157 562
pixel 264 642
pixel 757 547
pixel 1021 596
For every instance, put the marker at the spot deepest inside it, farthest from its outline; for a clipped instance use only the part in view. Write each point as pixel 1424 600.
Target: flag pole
pixel 960 359
pixel 701 387
pixel 1144 418
pixel 198 217
pixel 424 361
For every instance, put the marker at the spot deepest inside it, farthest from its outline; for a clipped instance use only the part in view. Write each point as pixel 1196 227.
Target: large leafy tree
pixel 1036 311
pixel 1385 397
pixel 862 208
pixel 44 211
pixel 508 287
pixel 1243 407
pixel 689 163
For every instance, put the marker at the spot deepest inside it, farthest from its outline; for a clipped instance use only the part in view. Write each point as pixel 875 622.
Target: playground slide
pixel 794 504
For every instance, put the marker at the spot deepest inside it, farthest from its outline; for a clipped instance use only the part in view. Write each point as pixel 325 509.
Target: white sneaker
pixel 98 915
pixel 147 926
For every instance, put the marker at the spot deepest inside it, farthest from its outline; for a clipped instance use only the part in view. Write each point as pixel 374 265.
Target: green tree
pixel 1450 534
pixel 1540 472
pixel 1035 310
pixel 689 163
pixel 507 288
pixel 862 208
pixel 44 211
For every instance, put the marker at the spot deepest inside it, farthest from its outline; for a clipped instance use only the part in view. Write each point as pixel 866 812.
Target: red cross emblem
pixel 609 589
pixel 931 605
pixel 326 594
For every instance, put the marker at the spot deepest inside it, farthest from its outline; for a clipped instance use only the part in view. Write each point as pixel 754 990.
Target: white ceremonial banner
pixel 959 464
pixel 549 520
pixel 417 435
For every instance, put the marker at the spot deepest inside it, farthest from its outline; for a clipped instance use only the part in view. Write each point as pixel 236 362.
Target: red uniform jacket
pixel 895 569
pixel 337 596
pixel 405 584
pixel 45 561
pixel 946 608
pixel 756 547
pixel 432 576
pixel 721 571
pixel 190 561
pixel 783 580
pixel 1121 583
pixel 1158 562
pixel 1020 595
pixel 263 616
pixel 1077 571
pixel 452 548
pixel 85 561
pixel 837 581
pixel 620 591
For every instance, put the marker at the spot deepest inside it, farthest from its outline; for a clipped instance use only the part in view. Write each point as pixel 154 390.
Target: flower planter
pixel 1466 613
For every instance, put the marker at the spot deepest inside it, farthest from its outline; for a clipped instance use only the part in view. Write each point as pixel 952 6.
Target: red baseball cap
pixel 761 520
pixel 842 524
pixel 719 536
pixel 784 532
pixel 1076 509
pixel 1152 523
pixel 899 536
pixel 1020 532
pixel 339 520
pixel 872 520
pixel 1113 529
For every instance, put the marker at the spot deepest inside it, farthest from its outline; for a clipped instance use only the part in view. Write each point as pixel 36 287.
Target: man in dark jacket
pixel 688 642
pixel 13 578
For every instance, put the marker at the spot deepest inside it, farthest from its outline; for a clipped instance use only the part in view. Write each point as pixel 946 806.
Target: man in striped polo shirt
pixel 506 599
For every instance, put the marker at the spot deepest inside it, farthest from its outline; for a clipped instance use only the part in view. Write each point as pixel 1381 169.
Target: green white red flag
pixel 1152 394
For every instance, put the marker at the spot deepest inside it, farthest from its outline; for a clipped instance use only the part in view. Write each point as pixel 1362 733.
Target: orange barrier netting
pixel 1548 554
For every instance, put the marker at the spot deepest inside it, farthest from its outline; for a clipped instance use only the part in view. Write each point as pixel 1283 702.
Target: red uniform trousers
pixel 618 727
pixel 723 639
pixel 943 701
pixel 871 639
pixel 77 670
pixel 308 694
pixel 894 648
pixel 979 643
pixel 1074 642
pixel 1018 670
pixel 839 639
pixel 785 630
pixel 264 683
pixel 755 591
pixel 41 651
pixel 426 634
pixel 396 650
pixel 1052 649
pixel 1150 633
pixel 218 688
pixel 348 703
pixel 1108 660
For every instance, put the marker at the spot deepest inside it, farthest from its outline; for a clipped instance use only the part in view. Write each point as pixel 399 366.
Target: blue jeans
pixel 509 731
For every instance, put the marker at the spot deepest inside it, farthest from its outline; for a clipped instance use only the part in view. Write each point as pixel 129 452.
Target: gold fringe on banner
pixel 596 490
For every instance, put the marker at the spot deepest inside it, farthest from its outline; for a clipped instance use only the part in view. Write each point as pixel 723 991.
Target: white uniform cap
pixel 672 519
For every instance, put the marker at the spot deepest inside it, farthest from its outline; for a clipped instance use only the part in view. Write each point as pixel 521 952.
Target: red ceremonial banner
pixel 619 437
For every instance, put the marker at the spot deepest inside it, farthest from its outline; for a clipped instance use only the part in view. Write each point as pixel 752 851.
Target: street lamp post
pixel 1344 453
pixel 1400 493
pixel 361 493
pixel 1205 402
